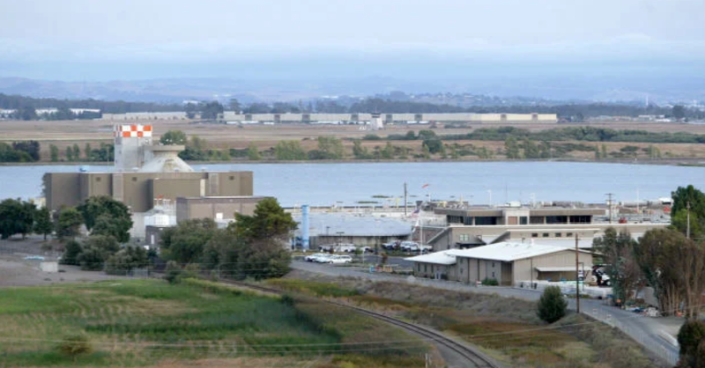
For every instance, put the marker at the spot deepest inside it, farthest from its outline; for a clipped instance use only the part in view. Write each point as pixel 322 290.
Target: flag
pixel 425 185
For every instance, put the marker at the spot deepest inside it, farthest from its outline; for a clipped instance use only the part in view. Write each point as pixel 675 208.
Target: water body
pixel 349 183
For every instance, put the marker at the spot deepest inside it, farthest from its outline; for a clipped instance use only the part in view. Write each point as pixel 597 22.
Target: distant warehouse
pixel 350 118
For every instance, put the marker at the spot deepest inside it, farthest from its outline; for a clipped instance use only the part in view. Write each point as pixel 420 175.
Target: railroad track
pixel 471 354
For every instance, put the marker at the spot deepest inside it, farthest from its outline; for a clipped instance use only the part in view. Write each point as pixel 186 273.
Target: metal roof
pixel 343 224
pixel 506 251
pixel 442 257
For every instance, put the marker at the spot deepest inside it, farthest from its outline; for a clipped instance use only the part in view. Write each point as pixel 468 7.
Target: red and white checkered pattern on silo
pixel 133 131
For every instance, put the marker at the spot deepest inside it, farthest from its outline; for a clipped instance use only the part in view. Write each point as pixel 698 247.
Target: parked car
pixel 393 245
pixel 312 257
pixel 323 258
pixel 340 259
pixel 426 248
pixel 409 246
pixel 347 248
pixel 366 249
pixel 326 248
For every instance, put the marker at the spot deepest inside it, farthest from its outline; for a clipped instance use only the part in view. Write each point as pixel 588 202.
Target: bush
pixel 690 337
pixel 72 250
pixel 490 282
pixel 172 272
pixel 552 306
pixel 75 345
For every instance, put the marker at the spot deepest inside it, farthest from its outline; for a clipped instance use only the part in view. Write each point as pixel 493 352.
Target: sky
pixel 410 39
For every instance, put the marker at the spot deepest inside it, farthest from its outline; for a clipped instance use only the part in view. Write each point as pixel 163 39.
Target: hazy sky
pixel 111 39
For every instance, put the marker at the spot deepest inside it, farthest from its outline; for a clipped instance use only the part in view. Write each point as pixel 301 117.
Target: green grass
pixel 313 287
pixel 145 322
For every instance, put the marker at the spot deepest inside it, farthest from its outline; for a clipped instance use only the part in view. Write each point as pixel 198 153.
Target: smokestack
pixel 304 227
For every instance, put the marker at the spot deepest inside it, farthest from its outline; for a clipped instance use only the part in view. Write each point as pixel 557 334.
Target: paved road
pixel 647 331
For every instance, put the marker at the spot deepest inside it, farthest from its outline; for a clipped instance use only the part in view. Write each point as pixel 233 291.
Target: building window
pixel 523 220
pixel 232 178
pixel 558 235
pixel 134 178
pixel 425 268
pixel 545 235
pixel 534 235
pixel 569 235
pixel 485 220
pixel 467 220
pixel 492 264
pixel 493 274
pixel 98 179
pixel 556 219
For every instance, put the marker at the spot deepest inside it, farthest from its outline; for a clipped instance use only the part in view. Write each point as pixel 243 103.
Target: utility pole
pixel 404 200
pixel 577 275
pixel 609 195
pixel 687 228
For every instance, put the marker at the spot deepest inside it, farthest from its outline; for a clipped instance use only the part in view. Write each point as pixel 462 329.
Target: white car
pixel 323 258
pixel 426 248
pixel 312 257
pixel 409 246
pixel 347 248
pixel 339 259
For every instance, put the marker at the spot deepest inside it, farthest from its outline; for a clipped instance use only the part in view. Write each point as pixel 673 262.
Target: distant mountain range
pixel 471 92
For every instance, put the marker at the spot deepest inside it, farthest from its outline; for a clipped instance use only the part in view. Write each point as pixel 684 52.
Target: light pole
pixel 490 192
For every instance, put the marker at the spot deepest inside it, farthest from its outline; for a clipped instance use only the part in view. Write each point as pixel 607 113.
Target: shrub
pixel 71 252
pixel 172 272
pixel 75 345
pixel 690 337
pixel 490 282
pixel 552 306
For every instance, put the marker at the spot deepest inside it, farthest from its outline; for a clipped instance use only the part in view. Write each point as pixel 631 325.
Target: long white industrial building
pixel 305 118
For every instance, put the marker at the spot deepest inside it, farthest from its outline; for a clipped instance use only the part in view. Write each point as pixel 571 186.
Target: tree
pixel 545 149
pixel 31 148
pixel 173 137
pixel 690 337
pixel 682 197
pixel 16 217
pixel 69 154
pixel 76 152
pixel 530 149
pixel 618 252
pixel 72 250
pixel 331 148
pixel 269 221
pixel 190 110
pixel 42 222
pixel 235 105
pixel 387 152
pixel 289 151
pixel 675 267
pixel 126 259
pixel 425 151
pixel 678 112
pixel 54 153
pixel 552 306
pixel 253 153
pixel 434 145
pixel 87 151
pixel 69 223
pixel 106 216
pixel 96 250
pixel 185 242
pixel 212 110
pixel 511 148
pixel 25 113
pixel 359 151
pixel 222 253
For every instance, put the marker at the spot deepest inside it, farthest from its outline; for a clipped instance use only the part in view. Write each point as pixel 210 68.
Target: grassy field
pixel 508 329
pixel 218 136
pixel 152 323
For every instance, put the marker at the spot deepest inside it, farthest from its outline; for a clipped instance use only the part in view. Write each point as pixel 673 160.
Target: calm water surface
pixel 326 184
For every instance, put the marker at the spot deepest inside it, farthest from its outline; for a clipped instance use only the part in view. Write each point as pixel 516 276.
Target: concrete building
pixel 475 226
pixel 393 118
pixel 508 263
pixel 144 175
pixel 220 209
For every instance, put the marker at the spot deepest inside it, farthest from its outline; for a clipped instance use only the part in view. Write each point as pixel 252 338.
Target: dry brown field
pixel 66 133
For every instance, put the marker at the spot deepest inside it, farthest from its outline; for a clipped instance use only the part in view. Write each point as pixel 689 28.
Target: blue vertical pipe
pixel 304 226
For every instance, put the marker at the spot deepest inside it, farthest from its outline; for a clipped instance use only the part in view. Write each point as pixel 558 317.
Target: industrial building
pixel 392 118
pixel 507 262
pixel 332 228
pixel 221 209
pixel 474 226
pixel 349 118
pixel 144 175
